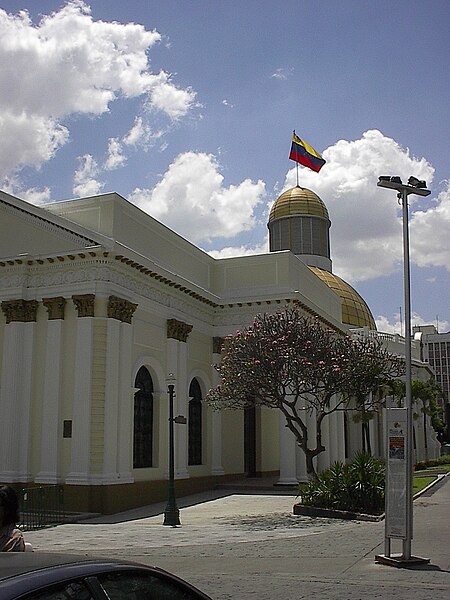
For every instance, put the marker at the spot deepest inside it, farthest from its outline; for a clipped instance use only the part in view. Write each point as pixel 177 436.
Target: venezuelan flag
pixel 305 154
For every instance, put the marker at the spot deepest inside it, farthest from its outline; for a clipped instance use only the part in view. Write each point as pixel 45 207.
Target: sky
pixel 186 108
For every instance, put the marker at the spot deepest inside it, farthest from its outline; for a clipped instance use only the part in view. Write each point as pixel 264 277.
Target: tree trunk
pixel 310 470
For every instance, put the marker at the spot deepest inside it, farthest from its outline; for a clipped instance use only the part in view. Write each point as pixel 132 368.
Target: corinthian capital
pixel 55 307
pixel 120 309
pixel 23 311
pixel 178 330
pixel 84 304
pixel 217 344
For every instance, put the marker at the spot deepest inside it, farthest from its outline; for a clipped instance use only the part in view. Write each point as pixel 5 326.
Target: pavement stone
pixel 251 546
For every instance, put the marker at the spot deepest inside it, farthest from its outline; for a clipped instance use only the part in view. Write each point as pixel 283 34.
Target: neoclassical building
pixel 101 303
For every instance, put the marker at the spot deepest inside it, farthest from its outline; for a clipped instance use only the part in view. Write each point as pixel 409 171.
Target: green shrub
pixel 356 487
pixel 435 462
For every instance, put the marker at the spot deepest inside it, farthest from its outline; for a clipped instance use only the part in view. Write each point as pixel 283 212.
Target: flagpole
pixel 296 167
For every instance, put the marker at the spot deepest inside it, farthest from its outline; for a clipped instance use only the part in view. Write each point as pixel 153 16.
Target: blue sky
pixel 189 113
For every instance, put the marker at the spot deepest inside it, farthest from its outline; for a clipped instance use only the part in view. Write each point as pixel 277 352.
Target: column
pixel 81 412
pixel 16 391
pixel 51 427
pixel 177 334
pixel 340 435
pixel 118 393
pixel 323 459
pixel 334 435
pixel 288 447
pixel 216 432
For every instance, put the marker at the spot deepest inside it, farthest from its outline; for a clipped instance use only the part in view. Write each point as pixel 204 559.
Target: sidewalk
pixel 242 546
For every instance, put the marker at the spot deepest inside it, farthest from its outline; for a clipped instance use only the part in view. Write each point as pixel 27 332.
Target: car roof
pixel 23 572
pixel 18 563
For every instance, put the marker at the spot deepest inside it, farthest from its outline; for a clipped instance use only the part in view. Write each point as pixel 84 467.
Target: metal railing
pixel 41 506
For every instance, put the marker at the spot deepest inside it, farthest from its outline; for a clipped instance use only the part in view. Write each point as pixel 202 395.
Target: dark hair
pixel 10 505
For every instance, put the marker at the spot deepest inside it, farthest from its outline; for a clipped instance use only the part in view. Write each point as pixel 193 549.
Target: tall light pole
pixel 417 187
pixel 171 513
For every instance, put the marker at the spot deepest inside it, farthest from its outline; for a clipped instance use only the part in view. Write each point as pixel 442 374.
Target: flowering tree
pixel 293 363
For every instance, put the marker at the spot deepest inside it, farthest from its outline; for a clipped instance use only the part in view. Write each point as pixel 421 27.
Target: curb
pixel 314 511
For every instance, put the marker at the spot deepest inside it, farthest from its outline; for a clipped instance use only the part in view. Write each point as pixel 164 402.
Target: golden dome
pixel 298 201
pixel 355 311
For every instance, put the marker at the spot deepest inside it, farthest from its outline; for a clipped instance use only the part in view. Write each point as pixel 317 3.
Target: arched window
pixel 143 420
pixel 195 423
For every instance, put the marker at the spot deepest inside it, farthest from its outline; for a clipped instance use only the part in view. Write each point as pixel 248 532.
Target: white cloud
pixel 384 325
pixel 191 199
pixel 366 232
pixel 282 73
pixel 226 102
pixel 67 64
pixel 115 158
pixel 139 134
pixel 230 251
pixel 174 101
pixel 430 237
pixel 35 196
pixel 85 182
pixel 27 140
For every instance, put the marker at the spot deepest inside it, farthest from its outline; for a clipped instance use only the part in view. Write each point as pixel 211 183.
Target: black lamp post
pixel 416 187
pixel 171 514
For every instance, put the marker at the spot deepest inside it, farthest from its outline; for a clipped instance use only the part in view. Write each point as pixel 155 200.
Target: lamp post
pixel 171 513
pixel 417 187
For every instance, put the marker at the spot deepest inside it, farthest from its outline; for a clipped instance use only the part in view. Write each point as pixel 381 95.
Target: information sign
pixel 396 475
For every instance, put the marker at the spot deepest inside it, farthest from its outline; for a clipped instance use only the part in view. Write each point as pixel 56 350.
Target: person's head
pixel 9 506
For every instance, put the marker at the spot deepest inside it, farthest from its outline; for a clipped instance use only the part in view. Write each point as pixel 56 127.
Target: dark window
pixel 143 420
pixel 195 423
pixel 75 590
pixel 141 586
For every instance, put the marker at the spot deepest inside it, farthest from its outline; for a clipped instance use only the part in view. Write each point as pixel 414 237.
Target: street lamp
pixel 417 187
pixel 171 514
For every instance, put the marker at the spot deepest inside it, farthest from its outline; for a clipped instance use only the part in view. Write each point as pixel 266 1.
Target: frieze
pixel 121 309
pixel 94 270
pixel 55 307
pixel 84 303
pixel 23 311
pixel 178 330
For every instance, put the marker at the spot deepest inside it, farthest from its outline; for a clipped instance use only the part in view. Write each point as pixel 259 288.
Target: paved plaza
pixel 250 546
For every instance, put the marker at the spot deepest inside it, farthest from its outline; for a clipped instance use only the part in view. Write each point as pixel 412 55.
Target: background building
pixel 436 350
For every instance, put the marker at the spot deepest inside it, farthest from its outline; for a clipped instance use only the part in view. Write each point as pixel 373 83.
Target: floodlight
pixel 417 183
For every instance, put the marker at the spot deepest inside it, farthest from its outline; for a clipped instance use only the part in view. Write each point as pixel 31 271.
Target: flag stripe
pixel 304 154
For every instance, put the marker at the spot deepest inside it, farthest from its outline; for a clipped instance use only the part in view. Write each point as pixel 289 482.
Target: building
pixel 436 351
pixel 100 303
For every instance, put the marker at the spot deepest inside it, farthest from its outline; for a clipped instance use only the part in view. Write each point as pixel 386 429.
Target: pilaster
pixel 51 427
pixel 216 433
pixel 16 389
pixel 81 413
pixel 177 334
pixel 118 393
